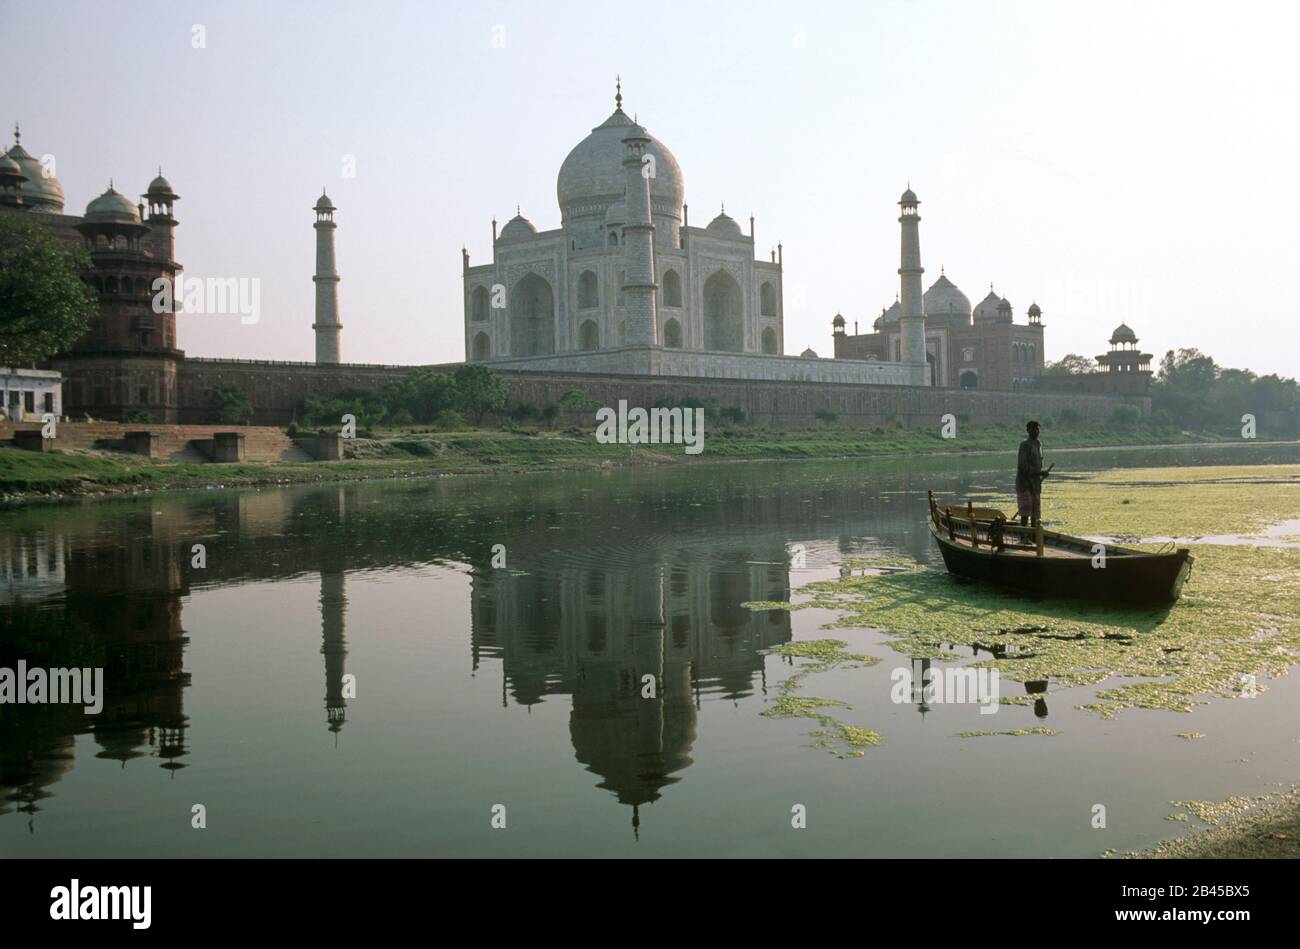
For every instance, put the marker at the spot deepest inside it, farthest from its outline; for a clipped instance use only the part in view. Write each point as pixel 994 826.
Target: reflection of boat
pixel 980 543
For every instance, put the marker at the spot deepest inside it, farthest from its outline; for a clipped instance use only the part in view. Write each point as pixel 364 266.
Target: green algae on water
pixel 839 738
pixel 1236 626
pixel 1037 730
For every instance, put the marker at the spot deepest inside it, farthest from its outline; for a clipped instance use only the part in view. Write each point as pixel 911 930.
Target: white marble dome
pixel 39 192
pixel 517 228
pixel 724 226
pixel 892 314
pixel 945 301
pixel 592 178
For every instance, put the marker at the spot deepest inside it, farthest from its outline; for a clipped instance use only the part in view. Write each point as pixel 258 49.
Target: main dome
pixel 591 178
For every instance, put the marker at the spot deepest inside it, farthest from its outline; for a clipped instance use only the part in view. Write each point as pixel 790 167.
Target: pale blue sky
pixel 1115 161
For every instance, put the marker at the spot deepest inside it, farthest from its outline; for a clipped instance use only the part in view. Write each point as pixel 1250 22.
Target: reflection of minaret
pixel 333 604
pixel 921 684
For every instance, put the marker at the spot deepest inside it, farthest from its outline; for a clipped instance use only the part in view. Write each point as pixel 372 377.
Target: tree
pixel 230 406
pixel 480 390
pixel 45 306
pixel 424 393
pixel 1070 364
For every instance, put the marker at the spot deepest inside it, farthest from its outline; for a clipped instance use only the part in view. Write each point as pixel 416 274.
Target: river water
pixel 350 673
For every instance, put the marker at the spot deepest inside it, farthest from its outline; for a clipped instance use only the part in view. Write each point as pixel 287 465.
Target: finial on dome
pixel 517 211
pixel 18 135
pixel 110 184
pixel 941 270
pixel 618 93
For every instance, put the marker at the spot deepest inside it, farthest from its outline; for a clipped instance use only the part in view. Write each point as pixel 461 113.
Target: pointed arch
pixel 532 317
pixel 724 314
pixel 672 288
pixel 588 295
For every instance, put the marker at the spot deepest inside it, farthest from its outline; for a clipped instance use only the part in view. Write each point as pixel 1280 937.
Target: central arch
pixel 532 317
pixel 724 314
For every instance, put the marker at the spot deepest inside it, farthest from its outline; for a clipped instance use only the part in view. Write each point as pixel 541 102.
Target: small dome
pixel 518 228
pixel 40 193
pixel 1004 308
pixel 987 309
pixel 1034 310
pixel 724 226
pixel 161 187
pixel 892 314
pixel 909 197
pixel 809 353
pixel 112 208
pixel 1123 334
pixel 10 167
pixel 944 301
pixel 838 321
pixel 323 203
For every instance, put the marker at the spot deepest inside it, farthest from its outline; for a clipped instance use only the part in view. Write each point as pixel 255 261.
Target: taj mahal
pixel 625 284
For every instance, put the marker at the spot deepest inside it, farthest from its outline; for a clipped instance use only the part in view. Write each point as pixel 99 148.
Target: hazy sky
pixel 1130 161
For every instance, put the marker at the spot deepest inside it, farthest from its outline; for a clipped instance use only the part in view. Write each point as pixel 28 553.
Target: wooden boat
pixel 981 543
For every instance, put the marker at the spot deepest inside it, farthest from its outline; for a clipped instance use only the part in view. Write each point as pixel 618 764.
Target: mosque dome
pixel 1004 308
pixel 9 167
pixel 838 321
pixel 592 174
pixel 39 192
pixel 809 353
pixel 944 301
pixel 892 314
pixel 1123 334
pixel 323 203
pixel 163 188
pixel 518 228
pixel 724 226
pixel 909 197
pixel 1034 309
pixel 112 208
pixel 987 310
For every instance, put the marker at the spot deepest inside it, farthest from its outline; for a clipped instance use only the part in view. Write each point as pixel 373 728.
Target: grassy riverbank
pixel 421 453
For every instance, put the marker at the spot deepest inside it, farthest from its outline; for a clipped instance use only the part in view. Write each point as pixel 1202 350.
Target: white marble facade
pixel 557 292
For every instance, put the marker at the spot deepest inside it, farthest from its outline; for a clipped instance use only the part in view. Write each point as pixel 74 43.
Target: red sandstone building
pixel 126 366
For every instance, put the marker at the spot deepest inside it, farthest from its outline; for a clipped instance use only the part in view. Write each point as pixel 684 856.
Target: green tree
pixel 45 306
pixel 423 393
pixel 480 390
pixel 229 406
pixel 1070 364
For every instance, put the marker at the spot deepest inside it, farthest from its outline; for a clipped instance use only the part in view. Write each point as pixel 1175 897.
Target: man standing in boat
pixel 1029 478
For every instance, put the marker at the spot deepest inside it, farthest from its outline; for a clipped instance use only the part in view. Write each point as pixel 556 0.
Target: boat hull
pixel 1132 578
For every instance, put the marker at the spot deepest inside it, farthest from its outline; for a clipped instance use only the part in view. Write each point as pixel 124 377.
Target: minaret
pixel 327 325
pixel 640 289
pixel 162 217
pixel 911 322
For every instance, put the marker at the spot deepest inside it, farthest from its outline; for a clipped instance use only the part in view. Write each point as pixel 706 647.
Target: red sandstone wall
pixel 277 390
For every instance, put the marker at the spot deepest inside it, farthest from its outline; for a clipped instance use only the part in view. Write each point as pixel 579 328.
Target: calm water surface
pixel 521 686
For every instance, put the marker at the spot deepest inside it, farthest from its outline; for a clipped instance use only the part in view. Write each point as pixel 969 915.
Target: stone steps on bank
pixel 175 443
